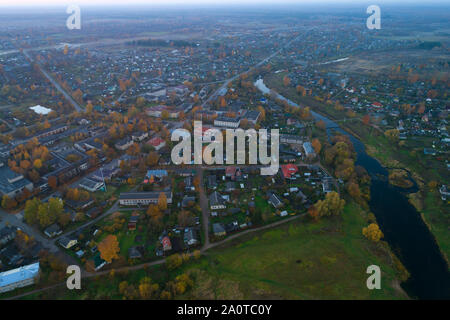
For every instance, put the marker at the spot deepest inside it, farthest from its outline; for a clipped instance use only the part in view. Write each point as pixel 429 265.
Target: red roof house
pixel 289 170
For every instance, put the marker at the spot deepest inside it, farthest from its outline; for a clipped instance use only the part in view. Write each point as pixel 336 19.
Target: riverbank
pixel 410 157
pixel 404 228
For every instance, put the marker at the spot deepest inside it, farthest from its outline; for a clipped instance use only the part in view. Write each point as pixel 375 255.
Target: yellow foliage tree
pixel 373 232
pixel 109 248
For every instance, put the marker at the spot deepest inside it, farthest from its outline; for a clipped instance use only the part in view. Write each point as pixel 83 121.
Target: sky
pixel 197 2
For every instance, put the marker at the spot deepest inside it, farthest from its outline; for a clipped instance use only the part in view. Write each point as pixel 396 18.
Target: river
pixel 403 227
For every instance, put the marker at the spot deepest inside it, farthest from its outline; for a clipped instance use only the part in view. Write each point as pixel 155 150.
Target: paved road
pixel 13 220
pixel 259 64
pixel 55 83
pixel 204 206
pixel 205 247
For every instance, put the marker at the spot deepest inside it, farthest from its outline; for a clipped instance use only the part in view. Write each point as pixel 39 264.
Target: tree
pixel 162 201
pixel 147 289
pixel 109 248
pixel 53 182
pixel 184 218
pixel 197 254
pixel 174 261
pixel 31 211
pixel 331 205
pixel 286 81
pixel 392 135
pixel 321 125
pixel 316 145
pixel 37 163
pixel 43 216
pixel 373 232
pixel 8 203
pixel 55 208
pixel 313 213
pixel 366 119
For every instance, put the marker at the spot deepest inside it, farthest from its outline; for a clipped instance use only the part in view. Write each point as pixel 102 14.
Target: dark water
pixel 403 228
pixel 402 225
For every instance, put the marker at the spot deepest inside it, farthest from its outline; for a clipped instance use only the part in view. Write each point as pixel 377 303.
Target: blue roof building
pixel 18 278
pixel 157 173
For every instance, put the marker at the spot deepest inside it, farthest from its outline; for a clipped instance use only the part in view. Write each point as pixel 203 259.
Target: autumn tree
pixel 31 211
pixel 147 289
pixel 313 213
pixel 53 182
pixel 8 202
pixel 321 125
pixel 316 145
pixel 109 248
pixel 331 205
pixel 373 232
pixel 392 135
pixel 366 119
pixel 162 201
pixel 174 261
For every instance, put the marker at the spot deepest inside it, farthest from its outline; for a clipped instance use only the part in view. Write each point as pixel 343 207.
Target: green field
pixel 302 260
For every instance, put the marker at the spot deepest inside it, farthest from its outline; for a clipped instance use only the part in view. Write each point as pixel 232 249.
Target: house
pixel 7 234
pixel 309 150
pixel 301 195
pixel 252 116
pixel 227 122
pixel 156 143
pixel 166 244
pixel 98 262
pixel 326 184
pixel 12 183
pixel 189 184
pixel 135 252
pixel 124 143
pixel 230 186
pixel 187 201
pixel 216 201
pixel 93 212
pixel 53 231
pixel 191 237
pixel 289 170
pixel 132 222
pixel 12 255
pixel 429 151
pixel 275 200
pixel 291 139
pixel 219 230
pixel 232 226
pixel 159 110
pixel 19 278
pixel 156 174
pixel 444 192
pixel 377 105
pixel 68 242
pixel 232 172
pixel 139 136
pixel 212 182
pixel 91 185
pixel 142 198
pixel 51 131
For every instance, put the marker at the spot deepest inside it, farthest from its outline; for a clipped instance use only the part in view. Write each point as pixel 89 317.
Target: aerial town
pixel 86 137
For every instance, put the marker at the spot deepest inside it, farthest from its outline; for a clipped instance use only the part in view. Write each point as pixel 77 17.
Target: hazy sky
pixel 203 2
